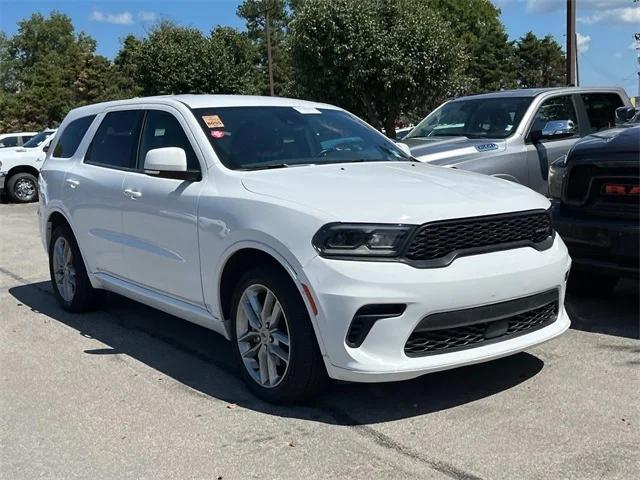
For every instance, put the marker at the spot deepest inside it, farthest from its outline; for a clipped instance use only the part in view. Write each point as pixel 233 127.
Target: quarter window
pixel 554 109
pixel 72 136
pixel 116 141
pixel 162 129
pixel 601 109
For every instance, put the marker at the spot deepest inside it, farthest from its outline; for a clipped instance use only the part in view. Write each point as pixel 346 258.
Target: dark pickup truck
pixel 596 207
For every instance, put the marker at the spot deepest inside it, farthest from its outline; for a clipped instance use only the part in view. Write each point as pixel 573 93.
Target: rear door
pixel 541 154
pixel 160 215
pixel 94 190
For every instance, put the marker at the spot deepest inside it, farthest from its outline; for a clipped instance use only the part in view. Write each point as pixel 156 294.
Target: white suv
pixel 301 234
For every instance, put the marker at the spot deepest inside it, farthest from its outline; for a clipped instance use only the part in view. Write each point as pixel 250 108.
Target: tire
pixel 304 375
pixel 584 283
pixel 22 188
pixel 82 297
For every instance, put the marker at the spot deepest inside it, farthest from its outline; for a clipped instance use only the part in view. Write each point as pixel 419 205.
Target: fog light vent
pixel 366 316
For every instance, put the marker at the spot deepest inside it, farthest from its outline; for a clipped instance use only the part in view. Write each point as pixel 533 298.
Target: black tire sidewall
pixel 299 380
pixel 12 183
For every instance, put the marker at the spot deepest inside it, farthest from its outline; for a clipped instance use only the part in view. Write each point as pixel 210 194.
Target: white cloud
pixel 121 18
pixel 628 15
pixel 618 55
pixel 583 42
pixel 540 6
pixel 635 45
pixel 147 16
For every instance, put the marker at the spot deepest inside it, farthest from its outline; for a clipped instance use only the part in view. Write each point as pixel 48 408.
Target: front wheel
pixel 23 188
pixel 273 338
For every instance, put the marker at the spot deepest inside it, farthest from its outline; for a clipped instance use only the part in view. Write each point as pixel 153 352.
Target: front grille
pixel 439 243
pixel 428 342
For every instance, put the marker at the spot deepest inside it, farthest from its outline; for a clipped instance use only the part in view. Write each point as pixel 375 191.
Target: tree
pixel 379 59
pixel 50 69
pixel 280 13
pixel 234 60
pixel 540 62
pixel 491 57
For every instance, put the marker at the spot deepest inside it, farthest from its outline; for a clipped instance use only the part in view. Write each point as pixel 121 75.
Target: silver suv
pixel 513 134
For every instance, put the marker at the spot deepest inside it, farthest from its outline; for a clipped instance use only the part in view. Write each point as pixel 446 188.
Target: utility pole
pixel 571 42
pixel 267 27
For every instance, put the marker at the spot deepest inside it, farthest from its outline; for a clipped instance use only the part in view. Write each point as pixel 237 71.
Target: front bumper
pixel 341 288
pixel 606 245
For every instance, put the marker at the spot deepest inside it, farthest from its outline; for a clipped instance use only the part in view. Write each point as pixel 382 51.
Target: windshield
pixel 474 118
pixel 254 138
pixel 37 140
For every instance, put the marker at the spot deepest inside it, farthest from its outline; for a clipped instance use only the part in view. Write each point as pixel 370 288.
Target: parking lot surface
pixel 130 392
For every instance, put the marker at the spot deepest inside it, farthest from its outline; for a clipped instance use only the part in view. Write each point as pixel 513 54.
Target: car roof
pixel 203 101
pixel 534 92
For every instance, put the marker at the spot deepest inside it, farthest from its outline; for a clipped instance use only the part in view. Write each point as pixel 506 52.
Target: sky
pixel 605 27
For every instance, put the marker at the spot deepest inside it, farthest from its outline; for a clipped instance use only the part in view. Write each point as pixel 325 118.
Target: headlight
pixel 557 171
pixel 361 239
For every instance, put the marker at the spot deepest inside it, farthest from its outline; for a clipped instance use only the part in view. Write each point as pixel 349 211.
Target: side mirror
pixel 45 149
pixel 625 114
pixel 404 147
pixel 168 162
pixel 553 130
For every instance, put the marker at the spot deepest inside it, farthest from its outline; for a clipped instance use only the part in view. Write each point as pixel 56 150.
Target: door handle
pixel 132 193
pixel 72 183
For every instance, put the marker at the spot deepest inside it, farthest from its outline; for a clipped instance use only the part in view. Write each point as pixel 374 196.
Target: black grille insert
pixel 482 325
pixel 439 243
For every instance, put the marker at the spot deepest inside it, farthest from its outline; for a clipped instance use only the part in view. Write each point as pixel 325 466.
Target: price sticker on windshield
pixel 212 121
pixel 307 110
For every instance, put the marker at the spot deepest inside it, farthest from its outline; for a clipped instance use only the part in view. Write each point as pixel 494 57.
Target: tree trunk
pixel 390 127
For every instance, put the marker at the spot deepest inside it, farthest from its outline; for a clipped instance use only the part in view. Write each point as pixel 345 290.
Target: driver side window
pixel 553 110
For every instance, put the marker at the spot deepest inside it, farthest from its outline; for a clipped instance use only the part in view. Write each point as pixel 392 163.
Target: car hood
pixel 450 150
pixel 394 192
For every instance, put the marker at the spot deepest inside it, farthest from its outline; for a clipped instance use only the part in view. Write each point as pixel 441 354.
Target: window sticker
pixel 212 121
pixel 159 132
pixel 217 133
pixel 307 110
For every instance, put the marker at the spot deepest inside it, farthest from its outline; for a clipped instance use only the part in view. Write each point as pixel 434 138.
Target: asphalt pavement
pixel 128 392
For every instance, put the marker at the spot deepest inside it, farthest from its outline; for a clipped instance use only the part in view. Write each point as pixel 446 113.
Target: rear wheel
pixel 273 338
pixel 584 283
pixel 71 284
pixel 23 188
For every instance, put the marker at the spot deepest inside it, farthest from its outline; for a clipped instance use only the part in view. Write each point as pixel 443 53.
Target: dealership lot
pixel 130 392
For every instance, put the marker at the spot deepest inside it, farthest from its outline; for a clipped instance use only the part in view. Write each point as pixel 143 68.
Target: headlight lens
pixel 361 239
pixel 557 171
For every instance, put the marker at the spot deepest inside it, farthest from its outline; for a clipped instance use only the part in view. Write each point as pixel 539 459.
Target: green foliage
pixel 539 62
pixel 379 60
pixel 48 69
pixel 175 59
pixel 477 24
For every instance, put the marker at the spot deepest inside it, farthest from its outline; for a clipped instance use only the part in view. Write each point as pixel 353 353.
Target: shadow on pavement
pixel 617 315
pixel 204 363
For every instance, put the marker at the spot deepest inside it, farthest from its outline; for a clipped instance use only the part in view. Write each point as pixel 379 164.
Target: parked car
pixel 513 134
pixel 19 167
pixel 301 234
pixel 9 140
pixel 596 208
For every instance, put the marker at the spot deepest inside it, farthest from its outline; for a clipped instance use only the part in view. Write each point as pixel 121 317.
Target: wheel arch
pixel 23 169
pixel 246 255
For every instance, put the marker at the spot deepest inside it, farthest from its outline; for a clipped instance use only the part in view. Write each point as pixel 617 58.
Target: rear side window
pixel 162 129
pixel 116 141
pixel 601 109
pixel 72 136
pixel 9 142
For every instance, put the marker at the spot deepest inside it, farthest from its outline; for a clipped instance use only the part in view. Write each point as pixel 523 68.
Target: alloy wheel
pixel 262 334
pixel 25 189
pixel 63 269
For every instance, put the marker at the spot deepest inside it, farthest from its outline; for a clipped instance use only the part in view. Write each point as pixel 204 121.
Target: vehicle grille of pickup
pixel 437 244
pixel 474 327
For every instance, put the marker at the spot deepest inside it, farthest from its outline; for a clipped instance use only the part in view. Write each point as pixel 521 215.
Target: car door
pixel 160 214
pixel 540 154
pixel 94 190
